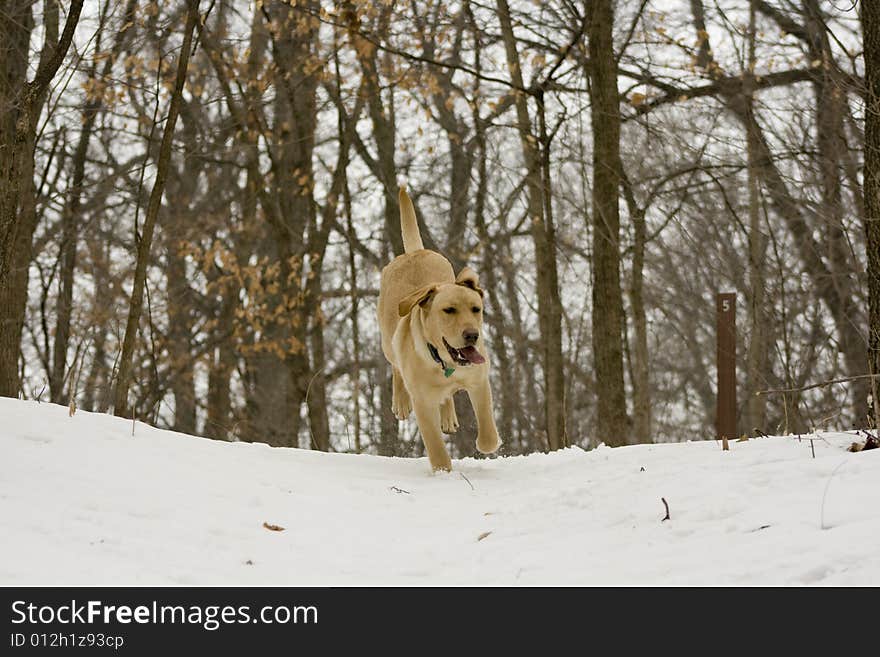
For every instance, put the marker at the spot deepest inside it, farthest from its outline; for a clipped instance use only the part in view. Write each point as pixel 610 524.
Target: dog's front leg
pixel 487 434
pixel 428 417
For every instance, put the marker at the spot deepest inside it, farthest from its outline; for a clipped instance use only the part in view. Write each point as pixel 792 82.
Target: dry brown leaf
pixel 273 528
pixel 483 535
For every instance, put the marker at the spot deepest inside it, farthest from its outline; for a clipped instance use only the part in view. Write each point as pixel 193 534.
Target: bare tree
pixel 612 423
pixel 543 237
pixel 123 379
pixel 756 367
pixel 21 103
pixel 871 30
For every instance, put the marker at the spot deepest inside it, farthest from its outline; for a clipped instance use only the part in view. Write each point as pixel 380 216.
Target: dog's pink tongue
pixel 472 355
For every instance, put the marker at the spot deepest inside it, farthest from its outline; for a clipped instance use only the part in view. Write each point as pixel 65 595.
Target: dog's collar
pixel 447 371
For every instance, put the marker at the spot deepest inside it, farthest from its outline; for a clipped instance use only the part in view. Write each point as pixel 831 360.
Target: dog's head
pixel 452 317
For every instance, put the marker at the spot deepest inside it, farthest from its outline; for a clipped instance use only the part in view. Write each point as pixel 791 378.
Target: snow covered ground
pixel 84 502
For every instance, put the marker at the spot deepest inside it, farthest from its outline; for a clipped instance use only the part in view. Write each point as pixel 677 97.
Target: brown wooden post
pixel 725 409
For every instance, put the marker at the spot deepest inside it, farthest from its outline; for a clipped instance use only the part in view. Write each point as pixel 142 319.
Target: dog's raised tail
pixel 409 226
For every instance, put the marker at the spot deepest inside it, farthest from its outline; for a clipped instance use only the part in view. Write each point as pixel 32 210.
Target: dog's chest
pixel 446 381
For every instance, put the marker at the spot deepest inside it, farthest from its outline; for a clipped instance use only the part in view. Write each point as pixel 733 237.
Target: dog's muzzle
pixel 467 355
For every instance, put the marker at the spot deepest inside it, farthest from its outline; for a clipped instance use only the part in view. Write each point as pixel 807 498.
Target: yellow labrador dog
pixel 431 322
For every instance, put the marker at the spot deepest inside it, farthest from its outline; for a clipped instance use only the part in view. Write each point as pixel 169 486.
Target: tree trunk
pixel 290 207
pixel 538 200
pixel 222 364
pixel 871 27
pixel 69 241
pixel 612 424
pixel 353 318
pixel 16 24
pixel 508 393
pixel 13 291
pixel 639 360
pixel 97 391
pixel 121 406
pixel 177 220
pixel 757 357
pixel 271 416
pixel 389 427
pixel 316 390
pixel 641 379
pixel 179 343
pixel 21 103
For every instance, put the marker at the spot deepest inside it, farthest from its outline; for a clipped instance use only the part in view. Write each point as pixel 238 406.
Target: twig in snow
pixel 39 394
pixel 822 511
pixel 399 490
pixel 467 480
pixel 663 499
pixel 869 434
pixel 812 448
pixel 760 433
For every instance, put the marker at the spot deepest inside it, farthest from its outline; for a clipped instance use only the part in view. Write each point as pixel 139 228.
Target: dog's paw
pixel 448 421
pixel 449 427
pixel 442 465
pixel 401 403
pixel 448 417
pixel 401 411
pixel 488 444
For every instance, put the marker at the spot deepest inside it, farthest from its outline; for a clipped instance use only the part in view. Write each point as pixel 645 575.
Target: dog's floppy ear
pixel 421 297
pixel 468 278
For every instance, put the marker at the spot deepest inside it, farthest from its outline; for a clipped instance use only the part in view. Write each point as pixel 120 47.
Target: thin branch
pixel 48 67
pixel 818 385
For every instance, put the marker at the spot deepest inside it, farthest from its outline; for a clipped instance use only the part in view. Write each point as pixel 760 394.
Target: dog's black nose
pixel 470 336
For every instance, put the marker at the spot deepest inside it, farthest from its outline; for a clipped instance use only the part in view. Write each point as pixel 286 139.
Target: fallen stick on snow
pixel 663 499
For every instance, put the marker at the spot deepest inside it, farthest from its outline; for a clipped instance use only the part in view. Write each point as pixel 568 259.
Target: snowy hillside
pixel 84 502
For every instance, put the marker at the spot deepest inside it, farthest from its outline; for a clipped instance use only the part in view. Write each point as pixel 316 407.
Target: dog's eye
pixel 449 311
pixel 475 309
